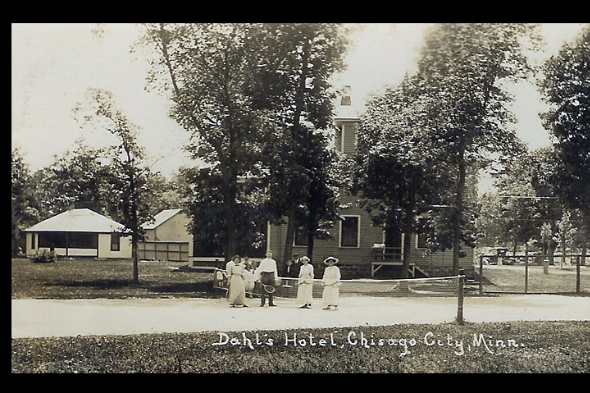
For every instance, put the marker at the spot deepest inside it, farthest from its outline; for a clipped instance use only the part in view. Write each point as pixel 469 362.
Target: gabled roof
pixel 78 220
pixel 161 217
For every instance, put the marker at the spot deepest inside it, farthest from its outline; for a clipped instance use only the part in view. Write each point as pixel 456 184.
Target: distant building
pixel 167 238
pixel 365 250
pixel 79 233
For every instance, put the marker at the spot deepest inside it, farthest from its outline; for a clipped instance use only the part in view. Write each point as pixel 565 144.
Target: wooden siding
pixel 357 262
pixel 164 251
pixel 173 229
pixel 170 241
pixel 102 251
pixel 349 137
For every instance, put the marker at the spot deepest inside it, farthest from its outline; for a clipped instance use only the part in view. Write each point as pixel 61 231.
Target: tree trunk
pixel 458 216
pixel 407 249
pixel 135 255
pixel 296 130
pixel 228 201
pixel 545 260
pixel 562 262
pixel 134 221
pixel 15 241
pixel 408 229
pixel 290 238
pixel 526 267
pixel 310 237
pixel 580 261
pixel 165 40
pixel 515 247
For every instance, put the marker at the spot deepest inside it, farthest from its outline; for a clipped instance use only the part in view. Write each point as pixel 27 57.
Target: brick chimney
pixel 345 100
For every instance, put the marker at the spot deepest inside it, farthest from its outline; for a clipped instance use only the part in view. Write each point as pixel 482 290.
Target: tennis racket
pixel 268 288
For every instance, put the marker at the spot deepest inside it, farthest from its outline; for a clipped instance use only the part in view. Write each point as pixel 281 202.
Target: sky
pixel 53 65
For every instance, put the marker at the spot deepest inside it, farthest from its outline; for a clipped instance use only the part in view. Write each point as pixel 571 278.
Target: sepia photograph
pixel 306 198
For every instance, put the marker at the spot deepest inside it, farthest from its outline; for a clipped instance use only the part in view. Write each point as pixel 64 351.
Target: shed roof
pixel 161 217
pixel 78 220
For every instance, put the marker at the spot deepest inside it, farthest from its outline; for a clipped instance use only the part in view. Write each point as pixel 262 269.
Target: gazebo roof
pixel 160 218
pixel 77 220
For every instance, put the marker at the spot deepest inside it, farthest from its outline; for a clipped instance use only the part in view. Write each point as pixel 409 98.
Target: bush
pixel 44 256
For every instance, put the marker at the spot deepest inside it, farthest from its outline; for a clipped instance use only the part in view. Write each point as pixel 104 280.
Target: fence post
pixel 578 274
pixel 460 319
pixel 481 274
pixel 526 274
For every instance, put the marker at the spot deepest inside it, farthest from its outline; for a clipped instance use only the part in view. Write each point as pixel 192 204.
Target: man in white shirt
pixel 266 273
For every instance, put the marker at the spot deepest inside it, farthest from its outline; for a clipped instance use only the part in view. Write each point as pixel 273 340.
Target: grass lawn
pixel 516 347
pixel 511 278
pixel 521 347
pixel 110 279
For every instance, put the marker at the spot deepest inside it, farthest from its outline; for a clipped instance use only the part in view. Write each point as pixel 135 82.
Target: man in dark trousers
pixel 294 270
pixel 266 273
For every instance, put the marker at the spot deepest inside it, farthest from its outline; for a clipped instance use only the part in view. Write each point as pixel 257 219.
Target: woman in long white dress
pixel 305 288
pixel 235 271
pixel 331 281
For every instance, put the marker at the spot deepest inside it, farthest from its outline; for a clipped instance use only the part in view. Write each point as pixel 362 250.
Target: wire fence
pixel 430 286
pixel 450 286
pixel 524 274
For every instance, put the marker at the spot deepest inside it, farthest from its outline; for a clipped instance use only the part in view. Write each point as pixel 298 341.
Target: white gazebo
pixel 79 232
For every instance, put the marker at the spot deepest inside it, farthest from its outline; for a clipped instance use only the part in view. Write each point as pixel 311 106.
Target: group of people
pixel 242 277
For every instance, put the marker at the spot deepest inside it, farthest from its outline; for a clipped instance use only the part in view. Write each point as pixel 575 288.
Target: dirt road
pixel 44 318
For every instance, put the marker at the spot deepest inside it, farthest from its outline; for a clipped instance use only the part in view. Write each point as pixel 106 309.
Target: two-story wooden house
pixel 365 250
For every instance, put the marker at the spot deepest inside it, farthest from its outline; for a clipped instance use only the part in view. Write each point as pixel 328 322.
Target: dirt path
pixel 44 318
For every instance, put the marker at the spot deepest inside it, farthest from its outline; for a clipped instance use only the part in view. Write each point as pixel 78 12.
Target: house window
pixel 350 231
pixel 422 241
pixel 301 236
pixel 115 242
pixel 82 240
pixel 53 240
pixel 338 138
pixel 33 238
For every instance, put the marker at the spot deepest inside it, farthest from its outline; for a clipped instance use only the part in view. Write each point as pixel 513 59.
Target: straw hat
pixel 330 259
pixel 304 258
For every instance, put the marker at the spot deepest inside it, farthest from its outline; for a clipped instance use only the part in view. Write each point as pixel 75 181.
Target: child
pixel 248 277
pixel 331 281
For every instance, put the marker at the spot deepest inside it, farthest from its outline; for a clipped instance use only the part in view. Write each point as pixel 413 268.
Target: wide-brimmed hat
pixel 330 259
pixel 235 256
pixel 305 258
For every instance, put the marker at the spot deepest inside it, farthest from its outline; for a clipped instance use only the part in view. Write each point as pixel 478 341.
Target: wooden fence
pixel 162 250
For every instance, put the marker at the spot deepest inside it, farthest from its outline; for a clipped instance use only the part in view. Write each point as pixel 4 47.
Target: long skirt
pixel 305 293
pixel 249 282
pixel 237 292
pixel 331 295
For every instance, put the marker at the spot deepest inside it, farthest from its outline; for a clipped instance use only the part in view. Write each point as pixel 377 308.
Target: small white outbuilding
pixel 167 237
pixel 79 233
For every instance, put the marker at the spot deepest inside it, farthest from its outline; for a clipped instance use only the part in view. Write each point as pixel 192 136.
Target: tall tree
pixel 395 172
pixel 529 199
pixel 129 173
pixel 463 71
pixel 322 201
pixel 517 197
pixel 566 88
pixel 251 95
pixel 24 204
pixel 291 81
pixel 489 220
pixel 78 178
pixel 208 69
